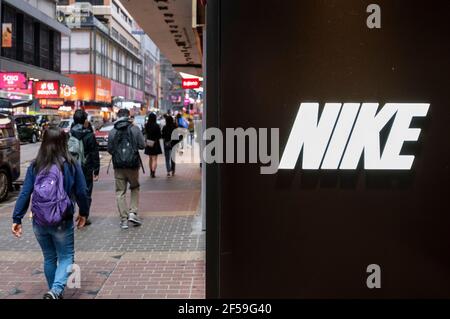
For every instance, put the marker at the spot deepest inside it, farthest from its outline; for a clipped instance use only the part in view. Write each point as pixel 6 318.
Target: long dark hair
pixel 169 121
pixel 53 150
pixel 150 122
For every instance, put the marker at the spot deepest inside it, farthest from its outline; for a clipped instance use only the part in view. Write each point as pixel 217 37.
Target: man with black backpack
pixel 124 142
pixel 83 147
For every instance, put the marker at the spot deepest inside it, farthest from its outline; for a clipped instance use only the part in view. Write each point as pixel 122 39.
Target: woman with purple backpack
pixel 54 181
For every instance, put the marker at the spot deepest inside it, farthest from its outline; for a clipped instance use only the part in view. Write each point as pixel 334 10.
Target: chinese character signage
pixel 46 90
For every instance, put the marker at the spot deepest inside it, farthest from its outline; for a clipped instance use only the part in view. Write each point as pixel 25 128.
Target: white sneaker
pixel 124 224
pixel 132 217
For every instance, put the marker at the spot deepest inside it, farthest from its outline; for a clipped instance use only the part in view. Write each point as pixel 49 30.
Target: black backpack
pixel 125 152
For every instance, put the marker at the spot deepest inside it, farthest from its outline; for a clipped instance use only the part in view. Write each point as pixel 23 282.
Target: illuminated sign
pixel 68 91
pixel 7 35
pixel 13 80
pixel 191 83
pixel 51 103
pixel 46 90
pixel 345 132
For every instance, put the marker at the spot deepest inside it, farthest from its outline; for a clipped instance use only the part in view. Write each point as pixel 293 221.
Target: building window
pixel 93 2
pixel 116 7
pixel 115 33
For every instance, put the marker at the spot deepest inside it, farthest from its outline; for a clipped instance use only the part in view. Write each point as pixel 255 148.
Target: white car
pixel 66 125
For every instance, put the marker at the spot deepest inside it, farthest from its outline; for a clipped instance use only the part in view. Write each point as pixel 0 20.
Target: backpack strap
pixel 133 142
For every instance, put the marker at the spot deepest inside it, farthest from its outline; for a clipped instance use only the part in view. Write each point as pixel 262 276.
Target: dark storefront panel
pixel 312 234
pixel 32 42
pixel 9 16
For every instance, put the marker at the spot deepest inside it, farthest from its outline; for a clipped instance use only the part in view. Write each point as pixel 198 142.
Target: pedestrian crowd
pixel 63 175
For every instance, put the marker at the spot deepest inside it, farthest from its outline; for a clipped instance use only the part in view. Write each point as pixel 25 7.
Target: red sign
pixel 13 80
pixel 46 90
pixel 191 83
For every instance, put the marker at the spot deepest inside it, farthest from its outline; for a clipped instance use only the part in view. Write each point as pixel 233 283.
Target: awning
pixel 174 29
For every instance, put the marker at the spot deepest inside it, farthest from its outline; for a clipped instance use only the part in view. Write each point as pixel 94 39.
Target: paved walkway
pixel 164 258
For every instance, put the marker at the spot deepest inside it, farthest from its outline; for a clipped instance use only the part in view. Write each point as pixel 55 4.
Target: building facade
pixel 31 45
pixel 152 75
pixel 172 93
pixel 103 56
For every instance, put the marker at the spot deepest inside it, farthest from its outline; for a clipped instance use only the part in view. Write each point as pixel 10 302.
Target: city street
pixel 164 258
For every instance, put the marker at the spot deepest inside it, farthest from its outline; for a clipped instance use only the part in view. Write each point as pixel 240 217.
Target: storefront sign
pixel 87 87
pixel 51 103
pixel 191 83
pixel 84 84
pixel 323 141
pixel 118 89
pixel 7 35
pixel 46 90
pixel 359 208
pixel 102 89
pixel 13 80
pixel 67 91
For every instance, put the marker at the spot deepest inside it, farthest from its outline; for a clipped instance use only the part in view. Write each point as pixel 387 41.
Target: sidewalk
pixel 164 258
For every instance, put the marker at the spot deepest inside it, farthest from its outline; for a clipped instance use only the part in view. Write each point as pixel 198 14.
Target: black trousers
pixel 90 185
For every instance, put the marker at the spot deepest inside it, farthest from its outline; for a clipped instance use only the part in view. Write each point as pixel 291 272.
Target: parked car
pixel 9 155
pixel 27 127
pixel 46 120
pixel 66 125
pixel 101 136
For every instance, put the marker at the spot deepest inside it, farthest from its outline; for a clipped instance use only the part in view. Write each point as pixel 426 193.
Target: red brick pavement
pixel 116 273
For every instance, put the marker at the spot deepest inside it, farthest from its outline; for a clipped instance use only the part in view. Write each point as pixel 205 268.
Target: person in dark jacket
pixel 169 143
pixel 83 131
pixel 126 172
pixel 152 135
pixel 57 242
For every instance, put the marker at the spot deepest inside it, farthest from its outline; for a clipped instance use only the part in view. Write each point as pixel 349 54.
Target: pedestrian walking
pixel 54 181
pixel 169 143
pixel 84 148
pixel 153 146
pixel 182 125
pixel 191 129
pixel 124 142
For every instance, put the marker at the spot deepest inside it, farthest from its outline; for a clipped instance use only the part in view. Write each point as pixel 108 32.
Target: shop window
pixel 56 52
pixel 9 16
pixel 28 40
pixel 44 48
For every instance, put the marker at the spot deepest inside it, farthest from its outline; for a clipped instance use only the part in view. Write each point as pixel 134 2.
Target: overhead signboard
pixel 13 80
pixel 191 83
pixel 51 103
pixel 46 90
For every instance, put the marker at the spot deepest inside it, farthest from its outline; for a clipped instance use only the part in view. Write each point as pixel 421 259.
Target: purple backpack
pixel 49 201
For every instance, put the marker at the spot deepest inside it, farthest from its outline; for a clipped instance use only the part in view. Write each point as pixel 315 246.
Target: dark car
pixel 9 155
pixel 27 127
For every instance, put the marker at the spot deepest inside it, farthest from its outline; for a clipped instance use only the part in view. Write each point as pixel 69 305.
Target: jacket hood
pixel 79 131
pixel 122 123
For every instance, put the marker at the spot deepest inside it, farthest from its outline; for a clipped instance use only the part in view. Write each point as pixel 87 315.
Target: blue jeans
pixel 57 244
pixel 170 164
